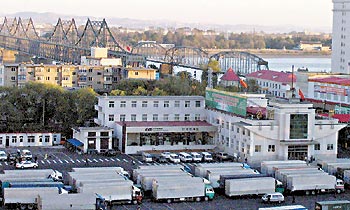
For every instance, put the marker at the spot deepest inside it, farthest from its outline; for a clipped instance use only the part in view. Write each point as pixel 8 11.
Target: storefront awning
pixel 75 142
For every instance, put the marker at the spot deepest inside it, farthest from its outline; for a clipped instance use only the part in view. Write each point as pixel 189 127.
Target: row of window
pixel 156 117
pixel 234 128
pixel 271 85
pixel 144 104
pixel 30 139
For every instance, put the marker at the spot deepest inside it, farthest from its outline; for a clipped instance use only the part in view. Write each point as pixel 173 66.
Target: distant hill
pixel 52 18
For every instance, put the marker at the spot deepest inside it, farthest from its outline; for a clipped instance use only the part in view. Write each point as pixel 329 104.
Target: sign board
pixel 226 101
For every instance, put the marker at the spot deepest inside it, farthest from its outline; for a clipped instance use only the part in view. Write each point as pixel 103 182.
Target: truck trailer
pixel 249 186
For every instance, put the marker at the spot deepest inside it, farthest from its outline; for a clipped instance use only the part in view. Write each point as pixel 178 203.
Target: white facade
pixel 99 58
pixel 94 138
pixel 29 139
pixel 341 37
pixel 273 139
pixel 2 75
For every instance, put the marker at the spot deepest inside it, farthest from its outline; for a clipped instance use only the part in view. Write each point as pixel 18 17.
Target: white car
pixel 196 156
pixel 26 164
pixel 166 155
pixel 273 197
pixel 207 156
pixel 3 155
pixel 174 158
pixel 185 157
pixel 26 154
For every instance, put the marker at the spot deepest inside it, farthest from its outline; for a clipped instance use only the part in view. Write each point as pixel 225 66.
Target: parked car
pixel 207 157
pixel 166 155
pixel 11 156
pixel 185 157
pixel 3 156
pixel 196 157
pixel 222 156
pixel 273 197
pixel 174 158
pixel 26 164
pixel 147 157
pixel 161 159
pixel 26 154
pixel 110 152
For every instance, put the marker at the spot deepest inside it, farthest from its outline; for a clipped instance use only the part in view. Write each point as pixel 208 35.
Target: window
pixel 271 148
pixel 187 117
pixel 133 104
pixel 91 133
pixel 13 78
pixel 31 139
pixel 144 103
pixel 144 117
pixel 317 147
pixel 166 103
pixel 329 146
pixel 257 148
pixel 177 117
pixel 155 103
pixel 227 125
pixel 155 117
pixel 237 130
pixel 111 118
pixel 165 117
pixel 111 104
pixel 123 104
pixel 198 103
pixel 232 127
pixel 20 138
pixel 47 138
pixel 177 103
pixel 136 73
pixel 40 138
pixel 133 117
pixel 197 117
pixel 14 139
pixel 187 103
pixel 298 126
pixel 122 117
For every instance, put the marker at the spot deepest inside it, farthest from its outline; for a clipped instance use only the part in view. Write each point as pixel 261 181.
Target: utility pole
pixel 43 112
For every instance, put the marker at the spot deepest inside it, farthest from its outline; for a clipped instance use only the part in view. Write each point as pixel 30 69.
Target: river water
pixel 314 64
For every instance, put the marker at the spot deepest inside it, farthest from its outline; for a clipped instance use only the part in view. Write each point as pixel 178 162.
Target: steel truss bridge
pixel 68 42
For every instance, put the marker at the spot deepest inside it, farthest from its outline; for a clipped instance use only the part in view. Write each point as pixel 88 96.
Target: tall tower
pixel 341 37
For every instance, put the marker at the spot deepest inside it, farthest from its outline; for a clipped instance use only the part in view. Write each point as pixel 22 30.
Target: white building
pixel 341 37
pixel 92 139
pixel 29 139
pixel 156 122
pixel 99 58
pixel 285 129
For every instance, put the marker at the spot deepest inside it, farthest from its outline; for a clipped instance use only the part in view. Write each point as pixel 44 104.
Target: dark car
pixel 161 159
pixel 11 156
pixel 110 152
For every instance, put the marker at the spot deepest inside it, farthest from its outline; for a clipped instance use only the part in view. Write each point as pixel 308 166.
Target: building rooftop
pixel 332 80
pixel 276 76
pixel 230 75
pixel 164 123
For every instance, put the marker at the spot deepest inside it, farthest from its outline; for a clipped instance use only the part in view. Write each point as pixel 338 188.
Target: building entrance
pixel 297 152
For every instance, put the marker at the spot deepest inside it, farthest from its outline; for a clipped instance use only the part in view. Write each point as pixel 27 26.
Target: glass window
pixel 165 117
pixel 166 103
pixel 133 117
pixel 237 130
pixel 187 103
pixel 144 103
pixel 177 103
pixel 298 126
pixel 122 117
pixel 317 147
pixel 271 148
pixel 227 125
pixel 133 104
pixel 31 139
pixel 257 148
pixel 155 117
pixel 329 146
pixel 111 104
pixel 91 133
pixel 198 103
pixel 47 138
pixel 155 103
pixel 187 117
pixel 20 138
pixel 197 117
pixel 177 117
pixel 110 117
pixel 144 117
pixel 123 104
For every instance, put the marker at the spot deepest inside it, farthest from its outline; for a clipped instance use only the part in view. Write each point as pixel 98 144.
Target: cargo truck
pixel 291 207
pixel 249 186
pixel 194 189
pixel 332 205
pixel 78 201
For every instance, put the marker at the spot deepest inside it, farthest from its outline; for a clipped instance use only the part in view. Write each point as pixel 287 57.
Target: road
pixel 61 159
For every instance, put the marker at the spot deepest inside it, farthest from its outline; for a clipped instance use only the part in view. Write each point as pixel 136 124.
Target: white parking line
pixel 140 162
pixel 100 160
pixel 66 161
pixel 95 160
pixel 125 160
pixel 60 161
pixel 54 161
pixel 42 162
pixel 112 159
pixel 72 161
pixel 6 163
pixel 48 161
pixel 106 160
pixel 118 159
pixel 89 160
pixel 77 160
pixel 149 164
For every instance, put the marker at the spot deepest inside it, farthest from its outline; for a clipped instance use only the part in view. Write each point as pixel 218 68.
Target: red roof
pixel 343 118
pixel 230 75
pixel 276 76
pixel 164 123
pixel 332 80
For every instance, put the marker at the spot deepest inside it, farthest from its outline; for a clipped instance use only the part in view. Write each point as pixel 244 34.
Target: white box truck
pixel 249 186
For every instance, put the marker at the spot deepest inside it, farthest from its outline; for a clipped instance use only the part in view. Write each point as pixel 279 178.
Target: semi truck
pixel 290 207
pixel 201 169
pixel 77 201
pixel 332 205
pixel 90 170
pixel 214 176
pixel 249 186
pixel 191 189
pixel 267 167
pixel 147 181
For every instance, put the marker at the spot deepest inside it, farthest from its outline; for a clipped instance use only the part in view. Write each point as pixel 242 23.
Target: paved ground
pixel 61 159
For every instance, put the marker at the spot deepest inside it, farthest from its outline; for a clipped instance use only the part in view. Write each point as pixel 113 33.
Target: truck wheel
pixel 338 191
pixel 198 199
pixel 168 201
pixel 134 202
pixel 307 192
pixel 313 192
pixel 206 198
pixel 30 206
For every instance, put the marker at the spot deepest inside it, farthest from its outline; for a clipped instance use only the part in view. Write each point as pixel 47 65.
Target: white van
pixel 26 154
pixel 273 197
pixel 147 157
pixel 196 157
pixel 185 157
pixel 174 158
pixel 207 157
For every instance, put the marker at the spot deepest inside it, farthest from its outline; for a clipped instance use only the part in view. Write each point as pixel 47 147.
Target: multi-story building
pixel 156 122
pixel 255 130
pixel 29 139
pixel 341 37
pixel 92 139
pixel 275 83
pixel 141 73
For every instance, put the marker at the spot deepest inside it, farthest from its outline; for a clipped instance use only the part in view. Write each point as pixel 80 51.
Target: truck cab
pixel 136 195
pixel 56 176
pixel 339 187
pixel 209 192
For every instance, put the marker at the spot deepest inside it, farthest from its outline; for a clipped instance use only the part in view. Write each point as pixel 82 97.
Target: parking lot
pixel 61 159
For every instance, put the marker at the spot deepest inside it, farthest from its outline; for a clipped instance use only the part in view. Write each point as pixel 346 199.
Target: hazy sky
pixel 306 13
